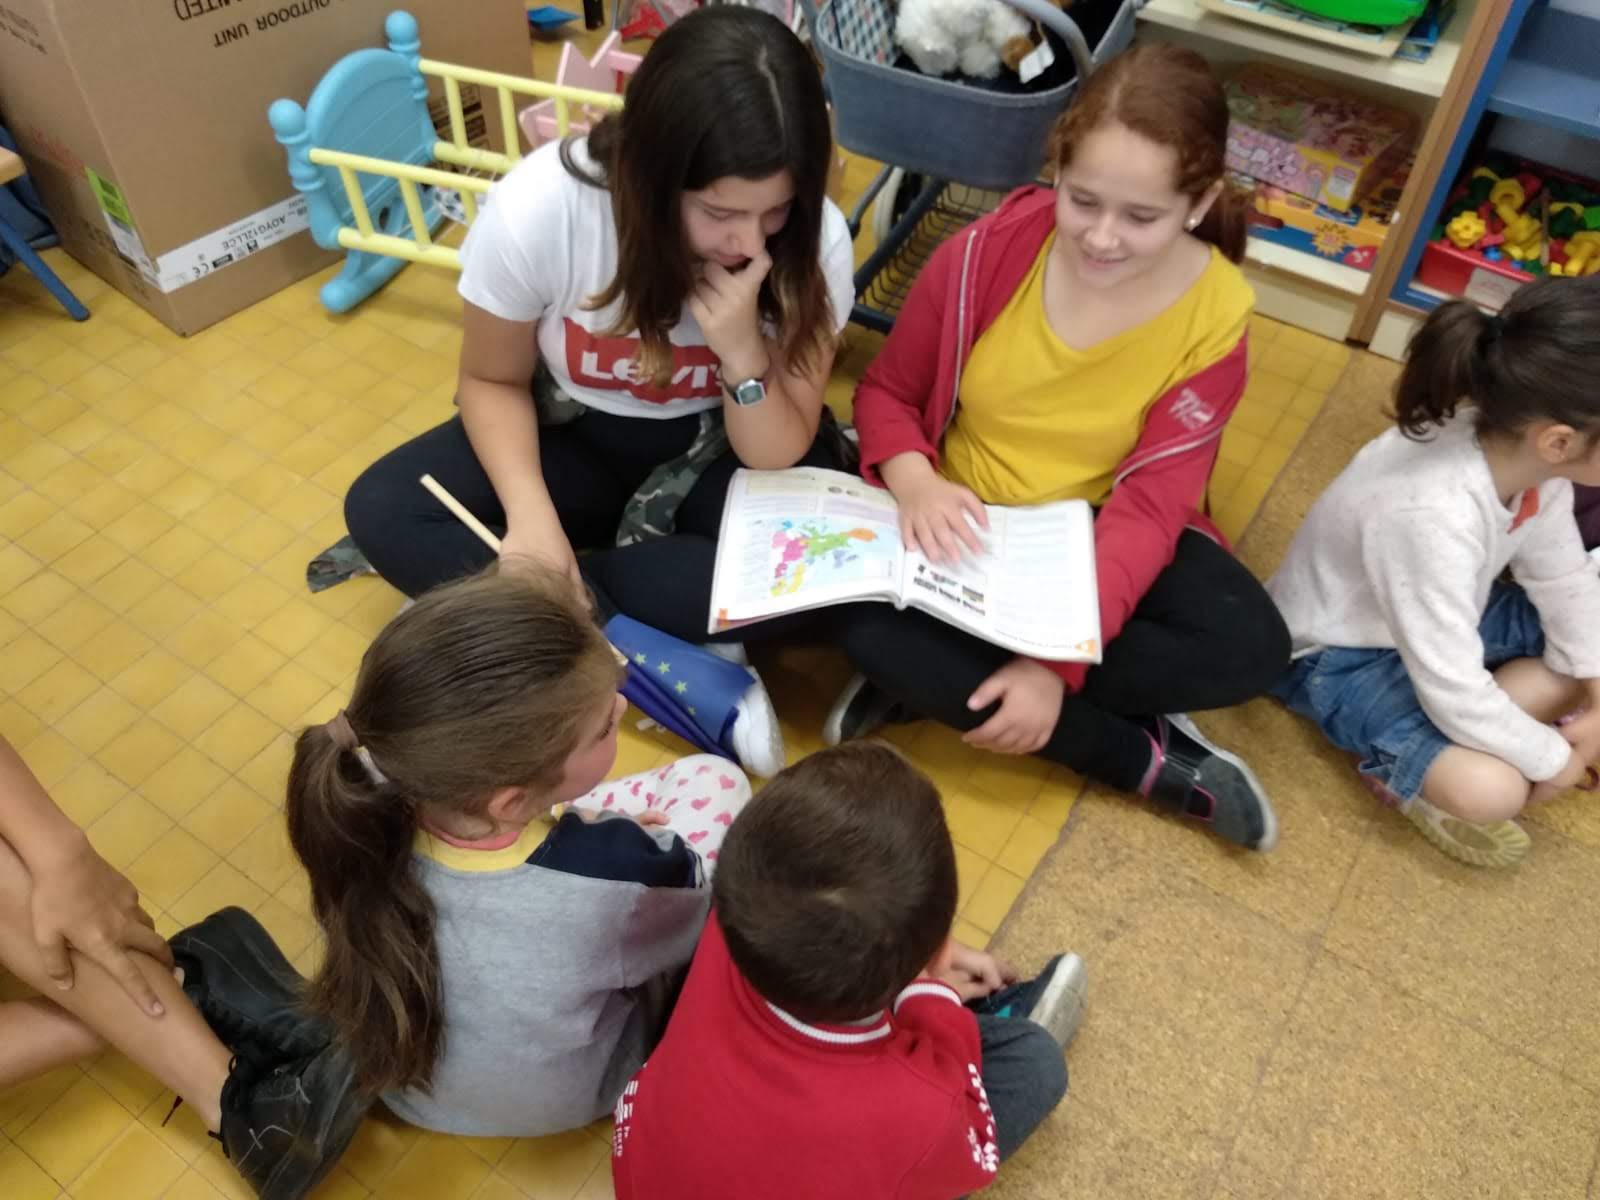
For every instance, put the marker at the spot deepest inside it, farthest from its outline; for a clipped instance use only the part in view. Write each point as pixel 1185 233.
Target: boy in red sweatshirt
pixel 831 1039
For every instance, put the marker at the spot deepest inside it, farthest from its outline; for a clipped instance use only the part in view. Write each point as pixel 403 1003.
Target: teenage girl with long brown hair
pixel 646 309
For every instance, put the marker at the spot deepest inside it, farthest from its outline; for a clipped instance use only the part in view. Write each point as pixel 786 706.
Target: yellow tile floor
pixel 159 500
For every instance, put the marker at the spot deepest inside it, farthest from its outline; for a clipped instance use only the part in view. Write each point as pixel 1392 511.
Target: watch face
pixel 751 391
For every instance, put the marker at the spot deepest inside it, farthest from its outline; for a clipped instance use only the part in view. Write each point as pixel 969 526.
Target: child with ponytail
pixel 1457 689
pixel 487 978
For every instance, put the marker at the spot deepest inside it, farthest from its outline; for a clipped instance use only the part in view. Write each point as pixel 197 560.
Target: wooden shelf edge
pixel 1423 79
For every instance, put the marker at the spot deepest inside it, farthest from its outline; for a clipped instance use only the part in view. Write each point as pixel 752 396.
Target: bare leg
pixel 178 1048
pixel 1474 786
pixel 1480 787
pixel 1538 690
pixel 37 1036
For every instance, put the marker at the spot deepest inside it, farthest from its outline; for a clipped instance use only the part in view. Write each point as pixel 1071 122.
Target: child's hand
pixel 726 306
pixel 976 973
pixel 651 817
pixel 542 542
pixel 937 517
pixel 1030 696
pixel 1583 735
pixel 1576 773
pixel 81 902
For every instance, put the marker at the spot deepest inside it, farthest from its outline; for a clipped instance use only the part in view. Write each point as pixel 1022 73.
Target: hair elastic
pixel 1494 325
pixel 344 737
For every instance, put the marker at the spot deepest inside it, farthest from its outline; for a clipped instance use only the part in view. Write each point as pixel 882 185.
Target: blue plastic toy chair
pixel 10 168
pixel 372 102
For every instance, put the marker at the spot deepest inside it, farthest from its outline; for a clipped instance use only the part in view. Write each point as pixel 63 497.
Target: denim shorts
pixel 1364 702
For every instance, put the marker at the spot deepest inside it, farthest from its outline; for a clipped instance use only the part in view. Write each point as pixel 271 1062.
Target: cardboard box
pixel 1310 138
pixel 144 125
pixel 1352 238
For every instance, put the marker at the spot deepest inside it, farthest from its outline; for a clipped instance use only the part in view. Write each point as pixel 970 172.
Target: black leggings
pixel 592 466
pixel 1206 635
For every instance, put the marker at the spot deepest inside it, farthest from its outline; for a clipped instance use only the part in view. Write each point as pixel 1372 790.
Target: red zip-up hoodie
pixel 907 398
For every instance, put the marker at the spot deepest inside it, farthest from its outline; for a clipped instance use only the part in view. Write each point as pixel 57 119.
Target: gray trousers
pixel 1024 1073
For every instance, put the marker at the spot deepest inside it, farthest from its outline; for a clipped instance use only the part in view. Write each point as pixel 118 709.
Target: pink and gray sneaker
pixel 1193 776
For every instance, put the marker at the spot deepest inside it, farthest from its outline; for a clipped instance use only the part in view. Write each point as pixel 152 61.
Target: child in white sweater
pixel 1462 694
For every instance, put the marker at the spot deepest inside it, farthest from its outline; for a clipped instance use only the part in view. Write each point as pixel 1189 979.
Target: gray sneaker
pixel 1054 998
pixel 1197 778
pixel 860 711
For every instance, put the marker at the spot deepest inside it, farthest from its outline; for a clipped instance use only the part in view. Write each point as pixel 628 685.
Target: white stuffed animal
pixel 946 36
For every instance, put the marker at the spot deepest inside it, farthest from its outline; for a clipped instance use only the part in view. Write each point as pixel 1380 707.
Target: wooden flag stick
pixel 478 527
pixel 461 513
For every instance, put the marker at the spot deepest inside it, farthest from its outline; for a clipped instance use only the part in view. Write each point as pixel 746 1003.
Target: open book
pixel 807 538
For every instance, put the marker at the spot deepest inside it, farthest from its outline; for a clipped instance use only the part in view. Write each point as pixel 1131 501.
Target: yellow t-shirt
pixel 1039 421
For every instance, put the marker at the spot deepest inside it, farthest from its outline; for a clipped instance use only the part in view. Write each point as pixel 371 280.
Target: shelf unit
pixel 1423 79
pixel 1543 66
pixel 1294 286
pixel 1550 75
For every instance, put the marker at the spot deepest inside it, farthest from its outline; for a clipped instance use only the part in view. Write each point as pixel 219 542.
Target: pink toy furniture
pixel 607 71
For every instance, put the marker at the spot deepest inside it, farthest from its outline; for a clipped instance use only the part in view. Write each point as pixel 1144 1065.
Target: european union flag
pixel 679 685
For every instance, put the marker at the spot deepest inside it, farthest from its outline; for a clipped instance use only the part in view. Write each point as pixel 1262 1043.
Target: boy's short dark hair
pixel 837 884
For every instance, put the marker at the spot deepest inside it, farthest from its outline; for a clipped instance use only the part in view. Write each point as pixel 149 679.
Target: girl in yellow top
pixel 1085 340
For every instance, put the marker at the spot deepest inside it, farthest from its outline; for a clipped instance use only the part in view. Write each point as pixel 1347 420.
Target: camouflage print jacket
pixel 652 511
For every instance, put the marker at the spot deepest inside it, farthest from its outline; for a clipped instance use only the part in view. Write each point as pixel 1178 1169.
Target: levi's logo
pixel 610 364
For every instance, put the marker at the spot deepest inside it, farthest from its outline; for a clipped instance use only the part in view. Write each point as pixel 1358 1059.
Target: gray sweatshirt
pixel 556 957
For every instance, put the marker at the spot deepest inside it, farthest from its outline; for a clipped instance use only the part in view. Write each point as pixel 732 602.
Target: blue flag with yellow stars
pixel 680 686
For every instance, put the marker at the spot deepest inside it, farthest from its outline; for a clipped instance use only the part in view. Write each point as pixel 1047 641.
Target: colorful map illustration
pixel 816 552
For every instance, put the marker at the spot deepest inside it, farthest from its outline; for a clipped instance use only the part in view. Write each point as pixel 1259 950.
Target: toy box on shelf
pixel 1310 138
pixel 1507 221
pixel 1352 238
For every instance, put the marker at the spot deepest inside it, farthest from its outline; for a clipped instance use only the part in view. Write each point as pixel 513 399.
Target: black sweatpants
pixel 1206 635
pixel 592 466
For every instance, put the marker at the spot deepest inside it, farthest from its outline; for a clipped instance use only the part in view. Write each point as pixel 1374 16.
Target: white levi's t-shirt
pixel 546 242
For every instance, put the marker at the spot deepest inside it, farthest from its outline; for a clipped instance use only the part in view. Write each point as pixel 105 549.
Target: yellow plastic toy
pixel 1465 230
pixel 1508 191
pixel 1583 255
pixel 1524 234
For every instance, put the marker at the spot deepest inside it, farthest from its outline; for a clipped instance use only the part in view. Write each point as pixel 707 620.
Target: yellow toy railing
pixel 457 152
pixel 420 246
pixel 376 100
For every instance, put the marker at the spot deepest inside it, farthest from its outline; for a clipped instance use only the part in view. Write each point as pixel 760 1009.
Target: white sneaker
pixel 756 736
pixel 1059 1007
pixel 1493 844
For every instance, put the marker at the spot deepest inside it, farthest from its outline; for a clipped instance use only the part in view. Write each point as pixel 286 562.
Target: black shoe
pixel 1199 779
pixel 860 710
pixel 284 1127
pixel 234 973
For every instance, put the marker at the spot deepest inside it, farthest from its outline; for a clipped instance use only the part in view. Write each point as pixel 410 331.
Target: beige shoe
pixel 1495 844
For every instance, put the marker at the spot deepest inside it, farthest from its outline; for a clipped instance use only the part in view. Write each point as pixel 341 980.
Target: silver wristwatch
pixel 751 391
